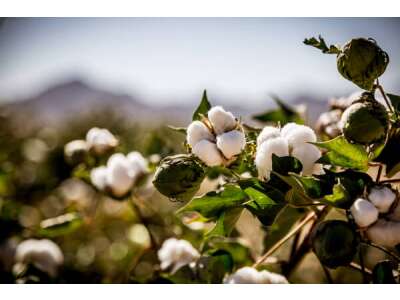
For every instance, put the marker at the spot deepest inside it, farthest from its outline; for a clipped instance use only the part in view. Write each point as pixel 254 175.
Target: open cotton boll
pixel 249 275
pixel 176 254
pixel 298 134
pixel 43 254
pixel 395 214
pixel 119 178
pixel 267 133
pixel 382 197
pixel 364 212
pixel 208 153
pixel 307 154
pixel 139 165
pixel 221 120
pixel 100 140
pixel 196 132
pixel 231 143
pixel 385 233
pixel 263 160
pixel 98 177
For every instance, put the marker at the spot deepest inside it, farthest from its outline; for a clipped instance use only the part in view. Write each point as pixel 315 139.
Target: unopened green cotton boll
pixel 249 275
pixel 385 233
pixel 382 197
pixel 335 243
pixel 362 61
pixel 198 131
pixel 231 143
pixel 179 177
pixel 364 212
pixel 208 153
pixel 221 120
pixel 366 121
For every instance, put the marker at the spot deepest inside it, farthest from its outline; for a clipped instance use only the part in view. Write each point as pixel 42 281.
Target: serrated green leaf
pixel 203 107
pixel 344 154
pixel 321 45
pixel 213 203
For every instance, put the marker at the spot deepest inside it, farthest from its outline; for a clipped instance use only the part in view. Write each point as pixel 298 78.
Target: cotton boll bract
pixel 100 140
pixel 364 212
pixel 119 177
pixel 307 154
pixel 263 160
pixel 176 253
pixel 208 153
pixel 267 133
pixel 43 254
pixel 385 233
pixel 382 197
pixel 198 131
pixel 231 143
pixel 298 134
pixel 221 120
pixel 249 275
pixel 98 177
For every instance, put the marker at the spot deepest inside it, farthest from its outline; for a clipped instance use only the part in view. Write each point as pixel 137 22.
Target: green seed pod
pixel 362 61
pixel 335 243
pixel 179 177
pixel 366 121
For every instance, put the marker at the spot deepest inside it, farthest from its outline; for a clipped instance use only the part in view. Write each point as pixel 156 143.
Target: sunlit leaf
pixel 321 45
pixel 203 107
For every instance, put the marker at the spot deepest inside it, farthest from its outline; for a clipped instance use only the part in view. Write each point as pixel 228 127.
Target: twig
pixel 383 249
pixel 390 181
pixel 361 257
pixel 380 88
pixel 327 273
pixel 378 175
pixel 356 266
pixel 282 241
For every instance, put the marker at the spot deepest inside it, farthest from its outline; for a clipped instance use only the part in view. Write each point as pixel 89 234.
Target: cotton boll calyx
pixel 221 120
pixel 43 254
pixel 385 233
pixel 267 133
pixel 231 143
pixel 364 212
pixel 382 197
pixel 298 134
pixel 307 154
pixel 249 275
pixel 100 140
pixel 98 177
pixel 263 160
pixel 198 131
pixel 119 178
pixel 209 153
pixel 176 253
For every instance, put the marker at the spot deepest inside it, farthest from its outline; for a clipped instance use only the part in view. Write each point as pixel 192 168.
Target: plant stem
pixel 327 273
pixel 380 88
pixel 391 181
pixel 356 266
pixel 361 257
pixel 378 175
pixel 282 241
pixel 383 249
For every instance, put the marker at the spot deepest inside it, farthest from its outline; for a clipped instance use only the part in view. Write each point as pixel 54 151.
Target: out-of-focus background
pixel 59 77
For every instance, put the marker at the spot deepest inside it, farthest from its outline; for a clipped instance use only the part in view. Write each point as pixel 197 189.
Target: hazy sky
pixel 174 59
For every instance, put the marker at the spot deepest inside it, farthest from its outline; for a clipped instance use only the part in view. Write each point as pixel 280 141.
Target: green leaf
pixel 383 273
pixel 266 205
pixel 283 114
pixel 225 223
pixel 240 253
pixel 213 203
pixel 178 129
pixel 60 225
pixel 395 101
pixel 340 197
pixel 344 154
pixel 203 107
pixel 286 164
pixel 390 155
pixel 212 269
pixel 321 45
pixel 184 275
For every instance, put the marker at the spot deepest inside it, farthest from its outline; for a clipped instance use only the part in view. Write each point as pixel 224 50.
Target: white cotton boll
pixel 307 154
pixel 249 275
pixel 198 131
pixel 298 134
pixel 231 143
pixel 176 254
pixel 395 214
pixel 43 254
pixel 75 149
pixel 138 164
pixel 385 233
pixel 119 178
pixel 221 120
pixel 267 133
pixel 263 161
pixel 208 152
pixel 100 140
pixel 364 212
pixel 98 177
pixel 382 197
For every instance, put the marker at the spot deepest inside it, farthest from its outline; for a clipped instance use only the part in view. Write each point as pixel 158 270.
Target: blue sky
pixel 174 59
